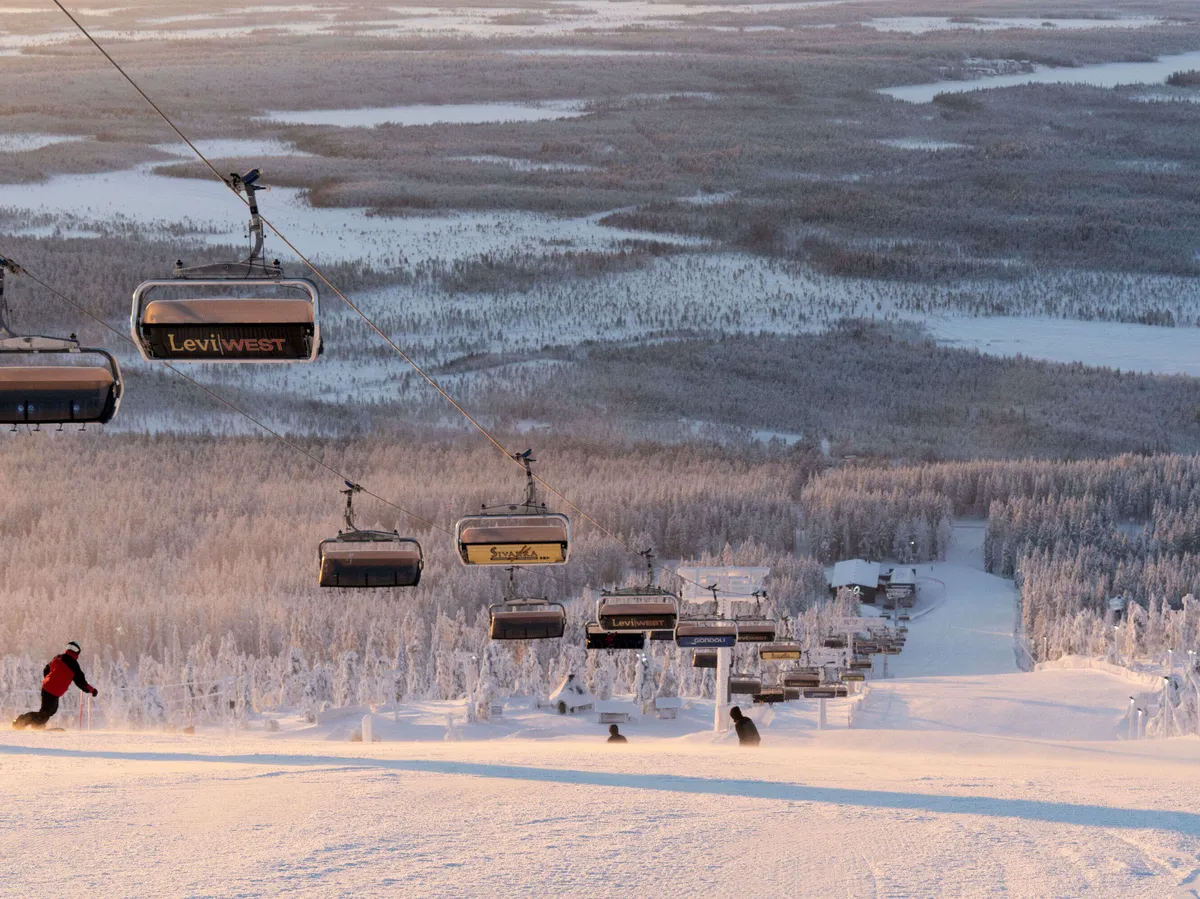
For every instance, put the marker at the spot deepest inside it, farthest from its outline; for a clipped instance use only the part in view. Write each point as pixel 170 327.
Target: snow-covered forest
pixel 219 540
pixel 1074 535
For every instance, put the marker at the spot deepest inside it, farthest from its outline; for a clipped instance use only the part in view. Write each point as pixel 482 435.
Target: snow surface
pixel 1128 347
pixel 432 114
pixel 927 24
pixel 960 777
pixel 1109 74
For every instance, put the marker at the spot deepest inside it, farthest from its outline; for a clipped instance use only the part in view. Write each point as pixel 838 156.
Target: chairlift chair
pixel 662 636
pixel 802 677
pixel 835 641
pixel 358 558
pixel 255 325
pixel 648 608
pixel 519 618
pixel 704 658
pixel 854 676
pixel 827 691
pixel 596 637
pixel 744 684
pixel 770 695
pixel 715 633
pixel 860 663
pixel 782 651
pixel 524 533
pixel 756 631
pixel 791 693
pixel 904 616
pixel 53 394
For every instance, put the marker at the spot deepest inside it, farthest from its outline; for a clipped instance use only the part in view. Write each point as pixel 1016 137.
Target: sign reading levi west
pixel 230 342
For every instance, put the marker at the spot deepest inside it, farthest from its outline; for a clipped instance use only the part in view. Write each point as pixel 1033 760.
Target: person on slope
pixel 57 678
pixel 746 731
pixel 615 735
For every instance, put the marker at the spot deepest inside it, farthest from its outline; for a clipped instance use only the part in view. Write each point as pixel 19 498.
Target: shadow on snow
pixel 1187 823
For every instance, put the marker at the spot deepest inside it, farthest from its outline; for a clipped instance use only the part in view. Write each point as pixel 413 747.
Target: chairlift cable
pixel 220 399
pixel 340 295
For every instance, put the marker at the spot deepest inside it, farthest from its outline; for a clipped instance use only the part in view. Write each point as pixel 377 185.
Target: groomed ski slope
pixel 960 777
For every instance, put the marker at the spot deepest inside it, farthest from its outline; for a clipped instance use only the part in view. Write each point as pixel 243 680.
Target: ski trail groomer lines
pixel 332 287
pixel 57 677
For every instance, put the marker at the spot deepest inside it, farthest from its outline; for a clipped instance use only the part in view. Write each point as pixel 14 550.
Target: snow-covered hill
pixel 960 777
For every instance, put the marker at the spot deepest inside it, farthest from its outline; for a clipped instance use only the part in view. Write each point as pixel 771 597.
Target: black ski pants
pixel 42 715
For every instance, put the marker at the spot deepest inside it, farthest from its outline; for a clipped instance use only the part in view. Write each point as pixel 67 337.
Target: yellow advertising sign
pixel 516 554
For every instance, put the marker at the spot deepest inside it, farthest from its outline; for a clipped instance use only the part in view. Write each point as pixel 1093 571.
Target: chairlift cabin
pixel 744 685
pixel 526 618
pixel 358 558
pixel 802 677
pixel 716 633
pixel 522 534
pixel 244 311
pixel 704 658
pixel 84 393
pixel 756 632
pixel 597 637
pixel 780 652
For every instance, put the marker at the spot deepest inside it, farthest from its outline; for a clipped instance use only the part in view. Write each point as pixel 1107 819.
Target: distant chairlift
pixel 53 394
pixel 704 658
pixel 599 638
pixel 519 618
pixel 524 534
pixel 356 558
pixel 648 608
pixel 802 677
pixel 756 631
pixel 713 633
pixel 771 695
pixel 784 651
pixel 744 684
pixel 827 691
pixel 270 318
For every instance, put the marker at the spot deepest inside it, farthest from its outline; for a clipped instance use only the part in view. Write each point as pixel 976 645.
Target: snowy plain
pixel 960 777
pixel 1111 74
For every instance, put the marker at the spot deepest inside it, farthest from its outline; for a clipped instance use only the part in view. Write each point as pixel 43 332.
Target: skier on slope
pixel 746 731
pixel 615 735
pixel 57 678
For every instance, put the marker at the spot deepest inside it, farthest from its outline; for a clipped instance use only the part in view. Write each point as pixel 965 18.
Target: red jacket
pixel 63 671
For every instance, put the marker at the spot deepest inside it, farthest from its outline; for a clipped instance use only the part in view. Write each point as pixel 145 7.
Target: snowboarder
pixel 614 735
pixel 57 678
pixel 746 731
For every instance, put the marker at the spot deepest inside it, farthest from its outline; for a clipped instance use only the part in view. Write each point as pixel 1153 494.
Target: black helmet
pixel 612 729
pixel 73 647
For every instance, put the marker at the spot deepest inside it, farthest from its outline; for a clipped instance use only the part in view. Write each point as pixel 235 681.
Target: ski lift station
pixel 857 575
